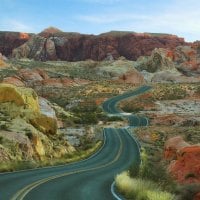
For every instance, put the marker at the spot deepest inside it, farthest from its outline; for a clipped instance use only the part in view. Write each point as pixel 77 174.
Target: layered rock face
pixel 52 44
pixel 38 77
pixel 12 40
pixel 27 124
pixel 185 162
pixel 183 60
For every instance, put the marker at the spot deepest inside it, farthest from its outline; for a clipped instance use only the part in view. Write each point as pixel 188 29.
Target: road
pixel 90 179
pixel 110 106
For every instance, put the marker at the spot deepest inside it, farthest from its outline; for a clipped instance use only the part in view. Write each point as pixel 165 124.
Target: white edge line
pixel 68 164
pixel 139 148
pixel 113 191
pixel 147 121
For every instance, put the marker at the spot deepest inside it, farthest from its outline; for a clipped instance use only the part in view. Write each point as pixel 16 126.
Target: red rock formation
pixel 15 80
pixel 38 77
pixel 185 58
pixel 132 77
pixel 185 164
pixel 75 47
pixel 197 196
pixel 12 40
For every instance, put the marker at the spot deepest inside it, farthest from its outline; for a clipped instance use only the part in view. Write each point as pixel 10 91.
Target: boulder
pixel 172 146
pixel 159 60
pixel 132 77
pixel 36 110
pixel 20 96
pixel 185 162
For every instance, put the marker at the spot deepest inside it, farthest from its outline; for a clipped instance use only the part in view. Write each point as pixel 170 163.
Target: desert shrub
pixel 134 170
pixel 197 90
pixel 17 165
pixel 130 107
pixel 86 118
pixel 140 189
pixel 1 140
pixel 114 118
pixel 170 92
pixel 29 134
pixel 187 192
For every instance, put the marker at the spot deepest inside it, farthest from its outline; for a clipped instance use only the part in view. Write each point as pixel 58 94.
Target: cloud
pixel 15 25
pixel 111 18
pixel 103 1
pixel 181 18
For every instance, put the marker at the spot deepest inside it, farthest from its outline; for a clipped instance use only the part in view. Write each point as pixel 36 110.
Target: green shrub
pixel 1 140
pixel 187 192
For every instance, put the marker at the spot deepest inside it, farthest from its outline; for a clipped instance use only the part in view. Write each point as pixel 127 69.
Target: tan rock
pixel 20 96
pixel 14 80
pixel 39 148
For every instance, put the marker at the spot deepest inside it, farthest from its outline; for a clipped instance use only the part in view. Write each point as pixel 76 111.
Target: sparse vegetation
pixel 68 158
pixel 140 189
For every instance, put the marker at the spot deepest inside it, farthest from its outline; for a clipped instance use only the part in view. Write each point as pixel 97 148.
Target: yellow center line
pixel 24 191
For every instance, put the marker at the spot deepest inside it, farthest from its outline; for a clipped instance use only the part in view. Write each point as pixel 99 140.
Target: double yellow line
pixel 24 191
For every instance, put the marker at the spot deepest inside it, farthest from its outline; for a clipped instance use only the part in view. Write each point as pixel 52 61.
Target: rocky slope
pixel 53 44
pixel 177 65
pixel 12 40
pixel 28 125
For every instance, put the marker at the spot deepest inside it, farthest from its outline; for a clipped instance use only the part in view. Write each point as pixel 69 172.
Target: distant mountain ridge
pixel 53 44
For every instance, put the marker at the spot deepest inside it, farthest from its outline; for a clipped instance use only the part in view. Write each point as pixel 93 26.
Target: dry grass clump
pixel 139 189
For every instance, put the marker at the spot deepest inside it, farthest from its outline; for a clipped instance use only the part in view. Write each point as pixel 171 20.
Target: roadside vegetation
pixel 160 92
pixel 150 180
pixel 140 189
pixel 68 158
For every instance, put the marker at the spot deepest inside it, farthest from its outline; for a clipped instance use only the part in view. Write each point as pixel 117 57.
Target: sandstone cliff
pixel 52 44
pixel 12 40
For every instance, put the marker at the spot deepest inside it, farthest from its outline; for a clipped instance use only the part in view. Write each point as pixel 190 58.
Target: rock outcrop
pixel 157 61
pixel 52 44
pixel 24 97
pixel 38 77
pixel 12 40
pixel 185 162
pixel 3 63
pixel 27 125
pixel 183 60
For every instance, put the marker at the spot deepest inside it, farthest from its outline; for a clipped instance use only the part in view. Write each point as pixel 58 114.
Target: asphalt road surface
pixel 89 179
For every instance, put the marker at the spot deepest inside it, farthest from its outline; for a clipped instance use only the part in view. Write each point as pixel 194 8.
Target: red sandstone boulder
pixel 132 77
pixel 185 164
pixel 172 146
pixel 197 196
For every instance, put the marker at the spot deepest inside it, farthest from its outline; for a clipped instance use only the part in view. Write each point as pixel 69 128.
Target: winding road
pixel 90 179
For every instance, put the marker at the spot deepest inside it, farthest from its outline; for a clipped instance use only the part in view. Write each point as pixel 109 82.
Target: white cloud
pixel 15 25
pixel 181 18
pixel 111 18
pixel 103 1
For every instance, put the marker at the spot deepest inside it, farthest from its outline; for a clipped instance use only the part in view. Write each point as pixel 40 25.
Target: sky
pixel 179 17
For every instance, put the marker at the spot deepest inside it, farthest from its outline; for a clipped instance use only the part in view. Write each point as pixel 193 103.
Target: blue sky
pixel 180 17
